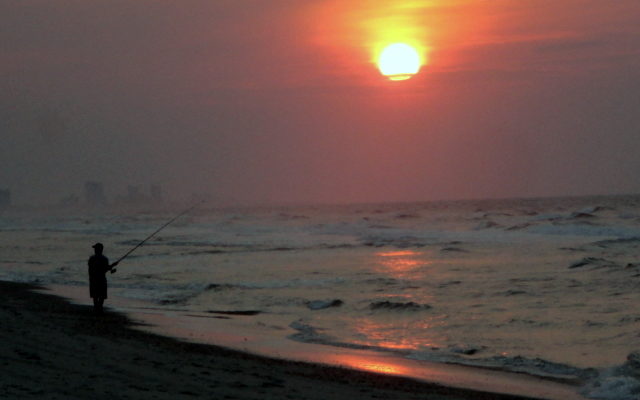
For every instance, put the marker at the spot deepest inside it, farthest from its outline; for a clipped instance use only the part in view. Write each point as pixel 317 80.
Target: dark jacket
pixel 98 267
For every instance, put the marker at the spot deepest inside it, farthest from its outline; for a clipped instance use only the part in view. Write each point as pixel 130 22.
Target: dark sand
pixel 51 349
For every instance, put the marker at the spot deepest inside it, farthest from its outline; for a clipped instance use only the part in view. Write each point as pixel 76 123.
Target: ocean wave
pixel 274 284
pixel 383 281
pixel 487 225
pixel 449 283
pixel 292 217
pixel 464 355
pixel 398 306
pixel 595 261
pixel 511 292
pixel 519 227
pixel 452 249
pixel 204 247
pixel 406 216
pixel 309 334
pixel 573 229
pixel 401 241
pixel 235 312
pixel 322 304
pixel 613 388
pixel 628 241
pixel 617 383
pixel 22 262
pixel 531 366
pixel 218 287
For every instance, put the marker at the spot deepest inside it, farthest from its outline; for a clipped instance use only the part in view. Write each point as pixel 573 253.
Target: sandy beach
pixel 54 349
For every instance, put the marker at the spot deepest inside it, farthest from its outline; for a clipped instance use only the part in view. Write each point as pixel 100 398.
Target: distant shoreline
pixel 54 349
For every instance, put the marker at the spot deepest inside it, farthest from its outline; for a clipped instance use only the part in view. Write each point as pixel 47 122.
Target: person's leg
pixel 97 304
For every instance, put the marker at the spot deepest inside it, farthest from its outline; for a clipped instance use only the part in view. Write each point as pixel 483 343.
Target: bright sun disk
pixel 399 61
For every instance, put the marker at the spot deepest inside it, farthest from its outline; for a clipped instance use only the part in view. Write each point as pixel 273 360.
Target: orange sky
pixel 281 101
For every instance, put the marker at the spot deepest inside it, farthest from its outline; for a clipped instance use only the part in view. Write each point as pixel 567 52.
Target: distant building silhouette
pixel 200 197
pixel 141 196
pixel 5 198
pixel 135 195
pixel 94 194
pixel 156 194
pixel 71 200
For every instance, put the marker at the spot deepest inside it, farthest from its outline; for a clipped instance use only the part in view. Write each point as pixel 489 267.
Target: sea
pixel 545 286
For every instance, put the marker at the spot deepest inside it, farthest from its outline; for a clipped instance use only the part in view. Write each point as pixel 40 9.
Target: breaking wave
pixel 398 306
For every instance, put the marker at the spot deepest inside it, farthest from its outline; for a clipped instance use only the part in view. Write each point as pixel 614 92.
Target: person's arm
pixel 106 266
pixel 112 267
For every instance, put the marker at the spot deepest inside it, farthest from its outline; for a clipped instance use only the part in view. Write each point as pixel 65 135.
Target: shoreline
pixel 247 334
pixel 70 353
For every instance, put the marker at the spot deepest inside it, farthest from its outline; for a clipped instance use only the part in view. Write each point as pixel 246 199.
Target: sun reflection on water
pixel 398 253
pixel 404 328
pixel 401 263
pixel 367 364
pixel 386 333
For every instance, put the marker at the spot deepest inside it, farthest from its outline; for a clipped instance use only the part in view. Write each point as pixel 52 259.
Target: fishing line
pixel 154 233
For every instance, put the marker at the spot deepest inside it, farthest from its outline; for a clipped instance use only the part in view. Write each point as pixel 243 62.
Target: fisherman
pixel 98 267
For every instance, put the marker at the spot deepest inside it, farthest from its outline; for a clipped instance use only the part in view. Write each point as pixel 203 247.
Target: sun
pixel 399 61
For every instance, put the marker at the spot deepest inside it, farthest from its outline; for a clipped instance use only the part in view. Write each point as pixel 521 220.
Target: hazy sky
pixel 281 100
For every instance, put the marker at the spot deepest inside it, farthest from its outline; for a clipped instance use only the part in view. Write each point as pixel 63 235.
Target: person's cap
pixel 98 246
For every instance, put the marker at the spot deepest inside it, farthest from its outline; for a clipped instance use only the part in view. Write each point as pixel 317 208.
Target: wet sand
pixel 52 349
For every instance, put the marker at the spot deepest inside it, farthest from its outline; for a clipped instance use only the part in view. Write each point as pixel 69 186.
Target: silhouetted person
pixel 98 267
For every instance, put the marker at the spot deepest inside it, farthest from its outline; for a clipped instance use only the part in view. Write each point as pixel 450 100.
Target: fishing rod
pixel 153 234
